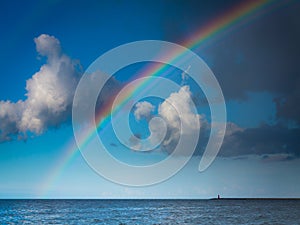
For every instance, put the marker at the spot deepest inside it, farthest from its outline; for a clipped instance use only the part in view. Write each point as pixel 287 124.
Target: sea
pixel 150 211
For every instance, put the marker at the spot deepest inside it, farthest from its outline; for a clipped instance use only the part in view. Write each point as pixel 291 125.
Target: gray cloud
pixel 186 16
pixel 263 140
pixel 10 114
pixel 259 59
pixel 270 142
pixel 134 142
pixel 260 55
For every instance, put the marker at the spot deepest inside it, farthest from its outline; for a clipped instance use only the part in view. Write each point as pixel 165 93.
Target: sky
pixel 46 47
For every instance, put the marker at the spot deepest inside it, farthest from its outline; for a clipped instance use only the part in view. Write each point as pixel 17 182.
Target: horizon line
pixel 225 198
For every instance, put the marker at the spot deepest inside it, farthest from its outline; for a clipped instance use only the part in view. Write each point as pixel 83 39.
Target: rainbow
pixel 229 21
pixel 224 22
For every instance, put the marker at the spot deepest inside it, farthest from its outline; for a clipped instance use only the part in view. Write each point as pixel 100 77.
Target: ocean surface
pixel 149 212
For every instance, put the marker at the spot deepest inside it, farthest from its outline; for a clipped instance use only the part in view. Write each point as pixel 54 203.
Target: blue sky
pixel 255 64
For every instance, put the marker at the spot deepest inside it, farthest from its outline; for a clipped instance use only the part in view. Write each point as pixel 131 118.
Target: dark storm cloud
pixel 181 18
pixel 260 55
pixel 271 142
pixel 263 140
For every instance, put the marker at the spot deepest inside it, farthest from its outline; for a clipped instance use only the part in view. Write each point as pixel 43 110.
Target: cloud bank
pixel 263 140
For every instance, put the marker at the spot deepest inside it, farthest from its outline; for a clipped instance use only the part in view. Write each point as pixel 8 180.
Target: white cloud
pixel 50 91
pixel 177 111
pixel 48 46
pixel 143 110
pixel 49 94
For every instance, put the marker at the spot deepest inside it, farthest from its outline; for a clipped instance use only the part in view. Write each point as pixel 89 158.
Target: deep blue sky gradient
pixel 254 64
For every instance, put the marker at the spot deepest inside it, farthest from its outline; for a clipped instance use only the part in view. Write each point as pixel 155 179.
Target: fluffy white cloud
pixel 50 91
pixel 47 45
pixel 49 94
pixel 143 110
pixel 177 111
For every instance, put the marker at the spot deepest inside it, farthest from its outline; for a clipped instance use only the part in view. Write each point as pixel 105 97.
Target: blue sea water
pixel 150 212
